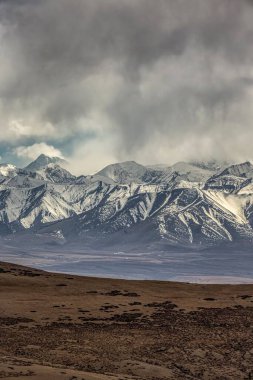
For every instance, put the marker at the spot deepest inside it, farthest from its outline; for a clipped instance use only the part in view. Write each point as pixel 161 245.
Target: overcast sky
pixel 99 81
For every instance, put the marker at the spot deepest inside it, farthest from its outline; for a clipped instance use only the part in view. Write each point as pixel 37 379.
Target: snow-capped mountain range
pixel 195 204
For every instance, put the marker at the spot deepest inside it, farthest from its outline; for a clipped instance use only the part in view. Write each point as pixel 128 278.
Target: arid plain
pixel 57 326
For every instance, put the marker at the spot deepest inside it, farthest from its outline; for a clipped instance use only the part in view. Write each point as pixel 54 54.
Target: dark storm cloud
pixel 152 74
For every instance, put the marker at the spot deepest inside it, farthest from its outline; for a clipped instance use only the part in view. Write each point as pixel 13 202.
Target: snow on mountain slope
pixel 231 179
pixel 23 179
pixel 181 217
pixel 213 165
pixel 230 203
pixel 55 173
pixel 129 171
pixel 47 203
pixel 55 201
pixel 89 179
pixel 227 183
pixel 183 171
pixel 247 189
pixel 187 204
pixel 244 169
pixel 29 206
pixel 181 174
pixel 42 161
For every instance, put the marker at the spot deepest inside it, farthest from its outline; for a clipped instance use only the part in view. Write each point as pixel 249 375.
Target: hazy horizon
pixel 66 164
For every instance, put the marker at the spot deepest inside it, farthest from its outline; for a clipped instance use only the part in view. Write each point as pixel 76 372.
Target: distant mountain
pixel 231 179
pixel 213 165
pixel 194 204
pixel 182 217
pixel 240 170
pixel 55 173
pixel 129 171
pixel 42 161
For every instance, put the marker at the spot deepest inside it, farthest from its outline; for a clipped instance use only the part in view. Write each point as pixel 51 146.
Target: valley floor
pixel 57 326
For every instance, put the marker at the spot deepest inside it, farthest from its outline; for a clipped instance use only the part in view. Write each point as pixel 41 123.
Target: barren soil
pixel 57 326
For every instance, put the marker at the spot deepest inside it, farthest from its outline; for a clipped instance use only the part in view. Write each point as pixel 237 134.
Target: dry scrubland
pixel 56 326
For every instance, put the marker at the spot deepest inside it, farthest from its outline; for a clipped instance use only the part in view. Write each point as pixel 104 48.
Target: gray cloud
pixel 152 79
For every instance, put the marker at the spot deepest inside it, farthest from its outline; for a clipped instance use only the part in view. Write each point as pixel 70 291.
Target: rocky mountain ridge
pixel 194 205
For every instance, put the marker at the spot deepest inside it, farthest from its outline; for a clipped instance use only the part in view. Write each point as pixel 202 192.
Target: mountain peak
pixel 42 161
pixel 124 172
pixel 238 169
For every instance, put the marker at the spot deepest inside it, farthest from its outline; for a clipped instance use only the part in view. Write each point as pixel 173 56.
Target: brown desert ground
pixel 58 326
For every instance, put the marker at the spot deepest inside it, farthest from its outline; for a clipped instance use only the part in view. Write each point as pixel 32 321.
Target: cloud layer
pixel 101 81
pixel 33 151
